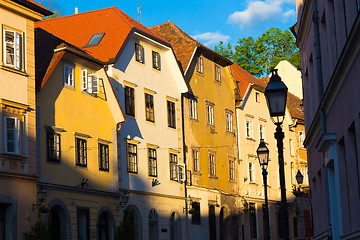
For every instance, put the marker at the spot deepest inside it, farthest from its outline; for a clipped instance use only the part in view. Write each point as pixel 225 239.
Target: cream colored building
pixel 18 166
pixel 253 124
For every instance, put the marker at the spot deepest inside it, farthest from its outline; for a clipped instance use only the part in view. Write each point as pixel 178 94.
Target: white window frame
pixel 249 125
pixel 89 82
pixel 196 160
pixel 193 108
pixel 139 53
pixel 212 164
pixel 16 135
pixel 229 121
pixel 210 114
pixel 199 65
pixel 217 73
pixel 263 127
pixel 69 75
pixel 251 172
pixel 173 163
pixel 17 48
pixel 181 172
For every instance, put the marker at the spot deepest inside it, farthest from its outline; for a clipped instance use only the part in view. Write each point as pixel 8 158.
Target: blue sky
pixel 208 21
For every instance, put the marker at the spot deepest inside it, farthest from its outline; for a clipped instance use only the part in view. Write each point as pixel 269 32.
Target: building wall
pixel 331 127
pixel 291 77
pixel 17 94
pixel 166 84
pixel 218 190
pixel 253 191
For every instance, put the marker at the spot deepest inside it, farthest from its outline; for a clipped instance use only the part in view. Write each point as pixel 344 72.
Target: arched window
pixel 153 225
pixel 175 233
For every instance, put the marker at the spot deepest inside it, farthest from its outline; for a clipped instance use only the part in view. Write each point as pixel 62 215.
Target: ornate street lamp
pixel 40 197
pixel 276 94
pixel 299 178
pixel 263 156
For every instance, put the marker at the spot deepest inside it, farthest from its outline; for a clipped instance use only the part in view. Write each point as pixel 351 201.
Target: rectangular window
pixel 253 224
pixel 262 132
pixel 193 108
pixel 129 101
pixel 199 65
pixel 53 146
pixel 229 122
pixel 171 114
pixel 248 129
pixel 13 47
pixel 173 166
pixel 132 158
pixel 149 105
pixel 81 152
pixel 103 157
pixel 210 114
pixel 13 130
pixel 89 82
pixel 83 223
pixel 196 161
pixel 217 73
pixel 232 169
pixel 195 216
pixel 251 172
pixel 152 162
pixel 139 53
pixel 257 97
pixel 69 78
pixel 156 60
pixel 301 139
pixel 212 164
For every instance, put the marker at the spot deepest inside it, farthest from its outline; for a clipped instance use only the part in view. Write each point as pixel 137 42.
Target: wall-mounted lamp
pixel 124 200
pixel 40 197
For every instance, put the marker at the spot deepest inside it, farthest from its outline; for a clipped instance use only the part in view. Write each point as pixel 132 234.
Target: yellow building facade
pixel 78 135
pixel 18 166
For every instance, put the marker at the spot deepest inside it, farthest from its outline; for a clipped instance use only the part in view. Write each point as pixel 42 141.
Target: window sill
pixel 150 122
pixel 139 62
pixel 171 128
pixel 157 70
pixel 200 73
pixel 194 119
pixel 56 162
pixel 132 173
pixel 196 173
pixel 81 166
pixel 213 177
pixel 104 170
pixel 13 70
pixel 13 156
pixel 250 139
pixel 218 82
pixel 69 86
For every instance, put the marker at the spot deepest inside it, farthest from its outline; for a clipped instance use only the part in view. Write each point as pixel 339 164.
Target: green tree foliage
pixel 53 6
pixel 260 55
pixel 38 231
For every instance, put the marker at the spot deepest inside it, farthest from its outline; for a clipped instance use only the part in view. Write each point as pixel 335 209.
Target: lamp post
pixel 276 94
pixel 263 156
pixel 299 178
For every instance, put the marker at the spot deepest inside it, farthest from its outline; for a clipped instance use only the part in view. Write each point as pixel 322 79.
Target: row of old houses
pixel 106 122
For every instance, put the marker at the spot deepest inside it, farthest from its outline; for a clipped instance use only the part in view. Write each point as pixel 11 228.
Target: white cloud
pixel 211 38
pixel 261 11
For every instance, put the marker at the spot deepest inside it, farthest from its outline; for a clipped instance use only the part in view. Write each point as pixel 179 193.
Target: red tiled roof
pixel 77 29
pixel 243 79
pixel 183 44
pixel 294 105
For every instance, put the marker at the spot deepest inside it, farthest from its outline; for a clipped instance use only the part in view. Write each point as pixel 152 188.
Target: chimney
pixel 76 10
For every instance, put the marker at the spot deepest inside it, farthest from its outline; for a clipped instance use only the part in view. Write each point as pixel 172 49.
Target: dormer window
pixel 156 60
pixel 89 82
pixel 139 53
pixel 95 40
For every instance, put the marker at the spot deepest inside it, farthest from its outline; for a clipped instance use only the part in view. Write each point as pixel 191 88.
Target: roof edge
pixel 35 7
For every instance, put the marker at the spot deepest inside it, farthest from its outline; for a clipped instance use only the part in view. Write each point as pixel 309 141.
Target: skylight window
pixel 95 40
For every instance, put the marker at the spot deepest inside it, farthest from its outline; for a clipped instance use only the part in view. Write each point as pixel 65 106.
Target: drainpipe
pixel 184 156
pixel 321 92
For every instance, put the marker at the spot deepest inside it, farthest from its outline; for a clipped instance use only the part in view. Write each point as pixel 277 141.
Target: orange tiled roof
pixel 77 30
pixel 294 105
pixel 243 79
pixel 183 44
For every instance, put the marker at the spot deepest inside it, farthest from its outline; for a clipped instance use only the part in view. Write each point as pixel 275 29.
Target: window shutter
pixel 84 80
pixel 89 83
pixel 17 51
pixel 19 128
pixel 181 172
pixel 95 83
